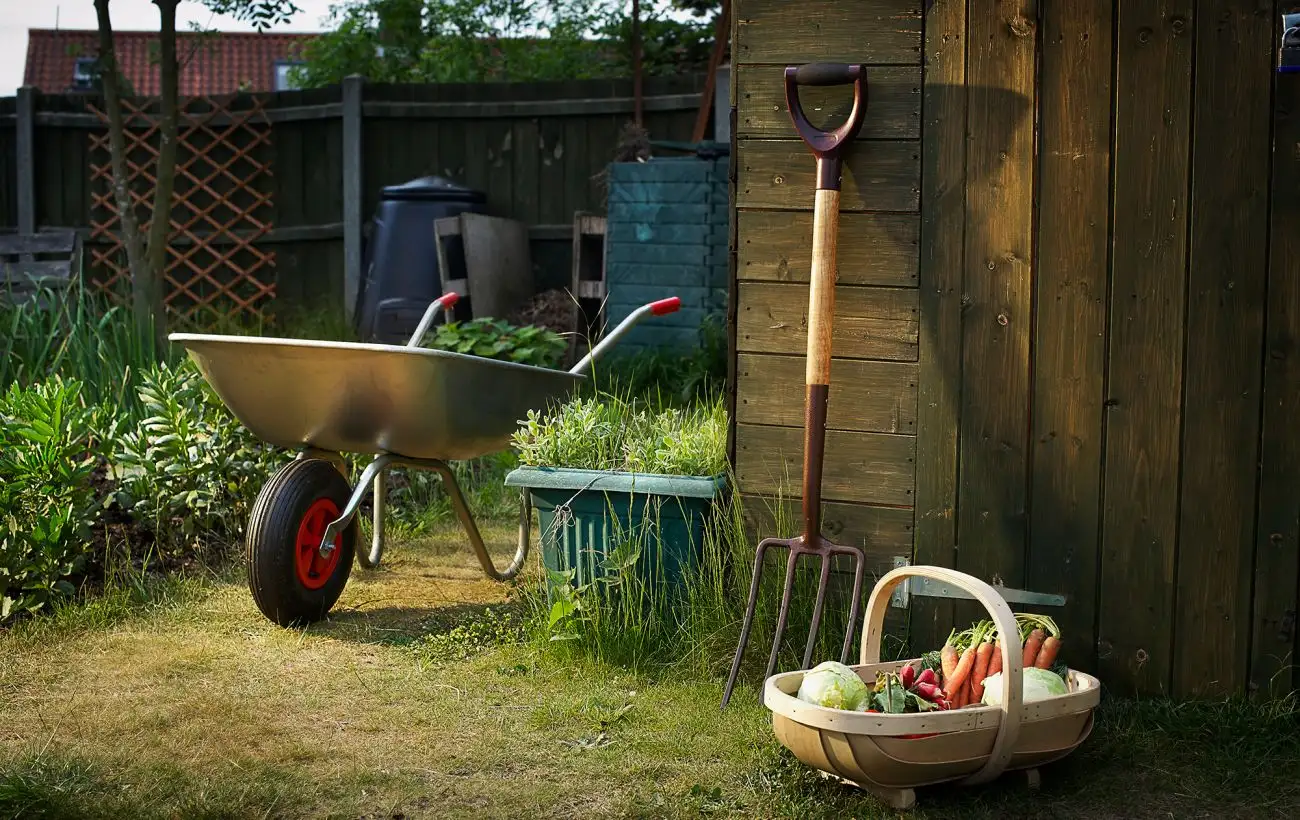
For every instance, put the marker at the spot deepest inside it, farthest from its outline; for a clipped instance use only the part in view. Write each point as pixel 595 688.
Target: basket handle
pixel 1012 664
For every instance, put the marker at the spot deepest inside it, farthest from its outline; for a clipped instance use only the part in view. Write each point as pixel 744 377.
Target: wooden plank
pixel 879 175
pixel 353 191
pixel 942 227
pixel 1277 539
pixel 1225 325
pixel 1149 258
pixel 863 31
pixel 868 396
pixel 525 205
pixel 894 109
pixel 515 109
pixel 577 179
pixel 993 441
pixel 874 468
pixel 47 242
pixel 874 249
pixel 881 532
pixel 25 159
pixel 1070 341
pixel 870 323
pixel 35 273
pixel 497 264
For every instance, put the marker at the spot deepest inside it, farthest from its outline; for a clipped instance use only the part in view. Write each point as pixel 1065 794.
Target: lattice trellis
pixel 221 207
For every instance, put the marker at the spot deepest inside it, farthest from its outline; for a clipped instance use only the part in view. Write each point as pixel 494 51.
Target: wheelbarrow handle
pixel 445 302
pixel 661 307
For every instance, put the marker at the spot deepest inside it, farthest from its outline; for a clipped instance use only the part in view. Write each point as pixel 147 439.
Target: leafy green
pixel 495 339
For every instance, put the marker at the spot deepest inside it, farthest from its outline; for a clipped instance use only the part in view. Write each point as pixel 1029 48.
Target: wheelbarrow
pixel 406 405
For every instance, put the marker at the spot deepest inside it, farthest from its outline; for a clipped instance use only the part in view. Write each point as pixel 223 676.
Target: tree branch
pixel 130 225
pixel 160 221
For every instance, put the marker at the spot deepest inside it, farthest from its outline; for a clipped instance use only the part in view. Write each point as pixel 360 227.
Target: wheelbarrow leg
pixel 373 470
pixel 380 504
pixel 471 527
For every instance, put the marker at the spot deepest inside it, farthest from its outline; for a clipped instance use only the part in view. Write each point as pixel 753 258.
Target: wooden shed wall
pixel 1067 313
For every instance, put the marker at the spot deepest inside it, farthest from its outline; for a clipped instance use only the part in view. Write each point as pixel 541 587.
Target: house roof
pixel 210 63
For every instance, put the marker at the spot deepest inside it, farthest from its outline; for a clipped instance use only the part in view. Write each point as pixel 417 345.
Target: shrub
pixel 495 339
pixel 613 433
pixel 190 468
pixel 47 500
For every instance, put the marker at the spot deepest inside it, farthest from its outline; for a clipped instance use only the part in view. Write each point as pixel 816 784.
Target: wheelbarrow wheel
pixel 291 582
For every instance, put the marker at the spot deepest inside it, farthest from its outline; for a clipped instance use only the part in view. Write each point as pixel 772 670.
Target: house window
pixel 282 81
pixel 83 73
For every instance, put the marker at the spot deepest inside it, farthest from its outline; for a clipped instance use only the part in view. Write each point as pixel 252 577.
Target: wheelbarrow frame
pixel 373 476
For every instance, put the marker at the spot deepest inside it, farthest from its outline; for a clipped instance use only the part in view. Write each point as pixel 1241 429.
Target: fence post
pixel 353 195
pixel 26 156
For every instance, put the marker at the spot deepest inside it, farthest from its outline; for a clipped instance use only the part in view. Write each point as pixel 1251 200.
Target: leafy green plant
pixel 495 339
pixel 189 468
pixel 47 500
pixel 616 433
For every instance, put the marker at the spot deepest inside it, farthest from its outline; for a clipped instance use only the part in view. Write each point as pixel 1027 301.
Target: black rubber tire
pixel 272 542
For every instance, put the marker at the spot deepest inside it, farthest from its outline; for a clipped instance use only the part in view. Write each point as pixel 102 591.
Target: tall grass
pixel 77 335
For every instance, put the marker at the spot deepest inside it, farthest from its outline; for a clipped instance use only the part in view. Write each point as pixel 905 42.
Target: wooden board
pixel 873 468
pixel 893 107
pixel 873 249
pixel 997 310
pixel 1277 534
pixel 942 227
pixel 1149 236
pixel 868 31
pixel 1070 338
pixel 868 396
pixel 878 175
pixel 881 532
pixel 497 264
pixel 1225 326
pixel 870 323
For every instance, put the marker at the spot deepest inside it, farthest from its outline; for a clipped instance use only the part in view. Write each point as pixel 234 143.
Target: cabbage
pixel 1038 685
pixel 833 685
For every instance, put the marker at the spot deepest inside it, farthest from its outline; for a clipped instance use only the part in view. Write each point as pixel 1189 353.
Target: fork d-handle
pixel 826 147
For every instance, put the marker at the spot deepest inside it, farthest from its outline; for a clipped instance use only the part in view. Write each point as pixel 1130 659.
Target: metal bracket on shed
pixel 930 588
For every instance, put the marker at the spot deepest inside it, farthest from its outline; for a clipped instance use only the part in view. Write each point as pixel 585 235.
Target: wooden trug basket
pixel 971 745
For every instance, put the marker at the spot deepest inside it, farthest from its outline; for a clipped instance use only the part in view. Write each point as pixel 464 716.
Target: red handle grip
pixel 448 299
pixel 665 306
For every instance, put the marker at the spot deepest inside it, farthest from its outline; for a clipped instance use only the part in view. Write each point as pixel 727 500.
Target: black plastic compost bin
pixel 401 260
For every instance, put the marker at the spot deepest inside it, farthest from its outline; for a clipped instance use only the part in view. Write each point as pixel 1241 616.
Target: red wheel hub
pixel 314 570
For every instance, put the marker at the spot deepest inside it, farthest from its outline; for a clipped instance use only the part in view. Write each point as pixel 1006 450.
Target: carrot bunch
pixel 1040 639
pixel 968 658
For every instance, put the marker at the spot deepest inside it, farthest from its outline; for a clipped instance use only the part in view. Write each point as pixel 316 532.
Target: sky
pixel 16 16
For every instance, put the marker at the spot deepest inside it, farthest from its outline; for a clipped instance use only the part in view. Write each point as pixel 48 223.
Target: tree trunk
pixel 130 226
pixel 151 296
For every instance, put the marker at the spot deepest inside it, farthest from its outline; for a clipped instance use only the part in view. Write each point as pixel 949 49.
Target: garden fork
pixel 826 147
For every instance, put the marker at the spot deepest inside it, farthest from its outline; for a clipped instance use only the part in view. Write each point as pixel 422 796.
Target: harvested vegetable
pixel 833 685
pixel 1039 684
pixel 908 676
pixel 995 662
pixel 1047 655
pixel 948 656
pixel 983 656
pixel 1032 644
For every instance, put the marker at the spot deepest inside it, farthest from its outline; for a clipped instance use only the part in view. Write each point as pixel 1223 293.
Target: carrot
pixel 1047 655
pixel 953 684
pixel 948 659
pixel 1032 645
pixel 995 662
pixel 983 656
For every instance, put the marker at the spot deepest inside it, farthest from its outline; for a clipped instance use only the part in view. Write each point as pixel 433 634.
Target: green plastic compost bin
pixel 584 515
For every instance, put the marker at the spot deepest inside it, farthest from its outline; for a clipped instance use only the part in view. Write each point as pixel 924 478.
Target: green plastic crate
pixel 584 515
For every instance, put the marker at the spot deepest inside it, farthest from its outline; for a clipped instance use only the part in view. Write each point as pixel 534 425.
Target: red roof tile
pixel 210 63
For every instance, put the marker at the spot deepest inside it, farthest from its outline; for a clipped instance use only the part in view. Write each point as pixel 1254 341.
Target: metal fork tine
pixel 749 619
pixel 817 610
pixel 859 569
pixel 784 613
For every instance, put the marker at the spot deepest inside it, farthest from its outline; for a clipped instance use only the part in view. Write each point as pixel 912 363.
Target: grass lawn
pixel 177 699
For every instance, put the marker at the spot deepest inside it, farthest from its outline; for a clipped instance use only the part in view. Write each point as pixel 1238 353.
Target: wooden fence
pixel 536 149
pixel 1067 314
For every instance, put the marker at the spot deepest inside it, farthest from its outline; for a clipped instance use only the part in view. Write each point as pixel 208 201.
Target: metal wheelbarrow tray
pixel 408 406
